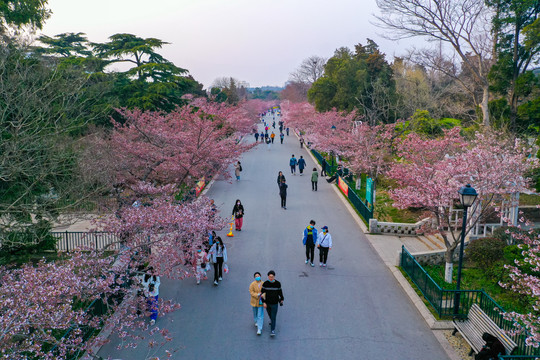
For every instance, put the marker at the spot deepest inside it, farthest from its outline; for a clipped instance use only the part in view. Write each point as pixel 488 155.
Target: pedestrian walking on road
pixel 268 142
pixel 218 256
pixel 256 137
pixel 281 137
pixel 255 289
pixel 272 136
pixel 238 212
pixel 274 123
pixel 287 131
pixel 262 136
pixel 301 142
pixel 323 168
pixel 324 243
pixel 272 295
pixel 309 240
pixel 301 165
pixel 280 177
pixel 283 194
pixel 292 164
pixel 151 292
pixel 237 170
pixel 201 263
pixel 314 179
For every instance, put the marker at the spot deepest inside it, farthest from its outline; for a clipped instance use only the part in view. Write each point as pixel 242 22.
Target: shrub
pixel 485 252
pixel 34 238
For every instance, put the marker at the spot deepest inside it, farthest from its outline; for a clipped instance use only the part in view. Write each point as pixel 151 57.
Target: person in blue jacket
pixel 301 165
pixel 309 240
pixel 292 164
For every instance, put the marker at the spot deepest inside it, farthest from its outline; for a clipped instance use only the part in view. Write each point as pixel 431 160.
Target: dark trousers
pixel 218 268
pixel 314 185
pixel 272 309
pixel 272 140
pixel 310 250
pixel 293 169
pixel 281 140
pixel 332 178
pixel 301 170
pixel 283 200
pixel 323 254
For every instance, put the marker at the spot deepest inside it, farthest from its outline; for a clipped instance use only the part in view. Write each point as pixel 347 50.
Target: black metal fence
pixel 442 301
pixel 70 240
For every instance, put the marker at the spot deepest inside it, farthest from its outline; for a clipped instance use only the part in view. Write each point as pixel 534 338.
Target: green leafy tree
pixel 360 80
pixel 19 13
pixel 516 27
pixel 153 83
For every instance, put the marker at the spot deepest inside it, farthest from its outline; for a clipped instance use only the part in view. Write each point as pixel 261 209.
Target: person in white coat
pixel 324 243
pixel 150 285
pixel 218 256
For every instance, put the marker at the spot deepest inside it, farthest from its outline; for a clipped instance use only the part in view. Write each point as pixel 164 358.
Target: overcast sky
pixel 257 41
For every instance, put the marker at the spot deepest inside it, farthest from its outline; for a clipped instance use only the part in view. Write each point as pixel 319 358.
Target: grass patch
pixel 526 199
pixel 478 279
pixel 384 211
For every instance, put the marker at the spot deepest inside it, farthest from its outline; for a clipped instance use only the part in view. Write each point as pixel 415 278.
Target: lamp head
pixel 467 195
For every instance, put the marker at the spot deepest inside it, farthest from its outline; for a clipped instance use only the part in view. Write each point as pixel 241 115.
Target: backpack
pixel 240 168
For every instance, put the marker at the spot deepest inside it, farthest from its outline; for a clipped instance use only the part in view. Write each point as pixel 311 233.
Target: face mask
pixel 271 280
pixel 238 203
pixel 258 278
pixel 199 251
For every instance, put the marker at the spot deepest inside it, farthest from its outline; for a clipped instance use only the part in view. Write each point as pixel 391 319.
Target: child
pixel 201 264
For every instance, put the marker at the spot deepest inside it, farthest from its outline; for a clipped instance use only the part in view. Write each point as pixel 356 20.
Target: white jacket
pixel 324 240
pixel 212 254
pixel 146 285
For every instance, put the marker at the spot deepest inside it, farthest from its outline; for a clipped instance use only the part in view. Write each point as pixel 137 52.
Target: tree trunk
pixel 485 106
pixel 448 258
pixel 448 270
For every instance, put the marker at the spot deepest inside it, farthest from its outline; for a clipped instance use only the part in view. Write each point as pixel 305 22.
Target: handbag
pixel 225 268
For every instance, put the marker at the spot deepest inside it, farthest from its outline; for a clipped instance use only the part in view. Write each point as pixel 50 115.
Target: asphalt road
pixel 353 309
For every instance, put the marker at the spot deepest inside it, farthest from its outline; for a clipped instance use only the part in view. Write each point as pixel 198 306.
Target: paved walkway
pixel 354 309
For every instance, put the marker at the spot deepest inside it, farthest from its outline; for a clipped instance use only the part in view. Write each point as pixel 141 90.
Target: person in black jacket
pixel 272 295
pixel 492 349
pixel 280 177
pixel 238 212
pixel 283 194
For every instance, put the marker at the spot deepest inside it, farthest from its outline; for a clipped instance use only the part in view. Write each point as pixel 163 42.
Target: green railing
pixel 362 208
pixel 442 301
pixel 356 201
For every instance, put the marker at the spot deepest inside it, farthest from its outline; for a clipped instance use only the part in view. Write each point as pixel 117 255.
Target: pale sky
pixel 257 41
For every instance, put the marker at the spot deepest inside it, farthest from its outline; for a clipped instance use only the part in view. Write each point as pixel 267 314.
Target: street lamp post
pixel 467 196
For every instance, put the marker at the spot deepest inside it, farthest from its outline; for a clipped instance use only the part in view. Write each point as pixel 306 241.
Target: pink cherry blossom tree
pixel 151 156
pixel 525 281
pixel 38 304
pixel 430 172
